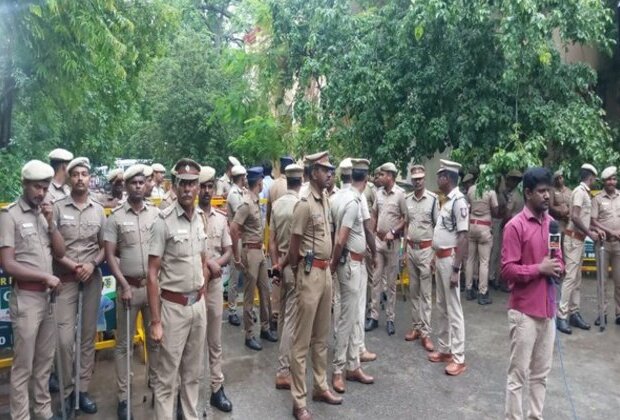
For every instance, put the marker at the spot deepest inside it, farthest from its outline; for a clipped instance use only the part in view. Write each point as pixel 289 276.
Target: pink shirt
pixel 524 247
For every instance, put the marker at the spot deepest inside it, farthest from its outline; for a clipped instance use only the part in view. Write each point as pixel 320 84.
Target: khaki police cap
pixel 79 161
pixel 187 169
pixel 320 158
pixel 148 170
pixel 158 167
pixel 389 167
pixel 134 170
pixel 238 170
pixel 360 164
pixel 234 161
pixel 590 168
pixel 417 171
pixel 558 173
pixel 609 172
pixel 449 166
pixel 35 170
pixel 346 166
pixel 515 174
pixel 114 175
pixel 468 177
pixel 294 171
pixel 60 154
pixel 207 174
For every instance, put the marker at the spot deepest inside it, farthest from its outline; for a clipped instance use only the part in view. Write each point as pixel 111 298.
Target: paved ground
pixel 408 386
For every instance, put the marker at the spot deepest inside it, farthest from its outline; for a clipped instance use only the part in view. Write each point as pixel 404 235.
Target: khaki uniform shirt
pixel 511 201
pixel 218 234
pixel 233 201
pixel 131 231
pixel 389 208
pixel 82 230
pixel 57 191
pixel 453 218
pixel 312 221
pixel 169 199
pixel 606 210
pixel 248 215
pixel 422 216
pixel 158 192
pixel 281 217
pixel 277 189
pixel 26 230
pixel 351 215
pixel 560 198
pixel 224 184
pixel 481 205
pixel 581 198
pixel 371 194
pixel 180 243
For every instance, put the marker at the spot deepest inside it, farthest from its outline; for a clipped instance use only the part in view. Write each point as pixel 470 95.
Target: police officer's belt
pixel 575 235
pixel 320 264
pixel 253 245
pixel 444 253
pixel 480 222
pixel 420 244
pixel 356 257
pixel 31 286
pixel 185 299
pixel 136 281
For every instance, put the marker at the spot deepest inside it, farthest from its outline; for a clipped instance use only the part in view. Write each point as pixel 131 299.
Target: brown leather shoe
pixel 326 397
pixel 301 413
pixel 338 383
pixel 358 375
pixel 283 381
pixel 437 357
pixel 455 369
pixel 413 335
pixel 427 343
pixel 367 356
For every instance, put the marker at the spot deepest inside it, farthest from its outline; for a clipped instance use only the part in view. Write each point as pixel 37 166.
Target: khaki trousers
pixel 311 331
pixel 420 288
pixel 214 302
pixel 139 303
pixel 352 277
pixel 480 242
pixel 255 274
pixel 335 302
pixel 233 281
pixel 451 325
pixel 612 257
pixel 531 355
pixel 181 358
pixel 34 342
pixel 497 232
pixel 364 302
pixel 571 286
pixel 66 316
pixel 288 309
pixel 387 265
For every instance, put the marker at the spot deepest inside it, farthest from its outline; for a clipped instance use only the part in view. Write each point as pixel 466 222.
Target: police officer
pixel 177 267
pixel 348 259
pixel 59 159
pixel 309 256
pixel 159 172
pixel 80 220
pixel 219 250
pixel 279 238
pixel 149 183
pixel 225 182
pixel 390 213
pixel 559 200
pixel 126 236
pixel 117 193
pixel 28 239
pixel 575 234
pixel 482 209
pixel 247 229
pixel 279 186
pixel 422 213
pixel 233 201
pixel 170 196
pixel 450 245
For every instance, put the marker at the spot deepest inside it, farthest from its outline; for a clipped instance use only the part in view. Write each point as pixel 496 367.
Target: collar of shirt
pixel 181 213
pixel 585 187
pixel 424 195
pixel 292 192
pixel 453 193
pixel 392 191
pixel 127 207
pixel 255 198
pixel 531 216
pixel 614 195
pixel 24 205
pixel 71 202
pixel 318 195
pixel 57 185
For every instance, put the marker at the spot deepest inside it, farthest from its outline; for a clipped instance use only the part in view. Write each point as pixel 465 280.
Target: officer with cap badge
pixel 219 250
pixel 177 273
pixel 59 159
pixel 309 256
pixel 247 229
pixel 450 245
pixel 117 193
pixel 233 201
pixel 80 220
pixel 159 172
pixel 225 182
pixel 126 236
pixel 29 238
pixel 149 183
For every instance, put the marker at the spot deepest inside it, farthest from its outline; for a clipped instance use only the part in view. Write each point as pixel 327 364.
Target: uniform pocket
pixel 68 228
pixel 129 234
pixel 181 245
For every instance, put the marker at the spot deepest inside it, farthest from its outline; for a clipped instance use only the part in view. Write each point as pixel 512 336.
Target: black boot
pixel 562 326
pixel 87 404
pixel 179 408
pixel 269 336
pixel 390 328
pixel 52 384
pixel 371 324
pixel 577 321
pixel 598 321
pixel 470 294
pixel 121 410
pixel 484 299
pixel 253 344
pixel 220 401
pixel 233 319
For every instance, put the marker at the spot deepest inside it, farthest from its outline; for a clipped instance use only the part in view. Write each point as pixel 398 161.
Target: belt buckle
pixel 417 245
pixel 191 298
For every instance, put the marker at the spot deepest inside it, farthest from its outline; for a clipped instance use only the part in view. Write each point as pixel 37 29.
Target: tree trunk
pixel 6 110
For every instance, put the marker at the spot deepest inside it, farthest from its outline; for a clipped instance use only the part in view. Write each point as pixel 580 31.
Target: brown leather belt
pixel 356 257
pixel 68 278
pixel 420 244
pixel 444 253
pixel 575 235
pixel 185 299
pixel 136 281
pixel 480 222
pixel 320 264
pixel 31 286
pixel 253 245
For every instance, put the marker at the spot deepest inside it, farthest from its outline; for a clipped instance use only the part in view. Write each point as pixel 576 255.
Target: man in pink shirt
pixel 529 270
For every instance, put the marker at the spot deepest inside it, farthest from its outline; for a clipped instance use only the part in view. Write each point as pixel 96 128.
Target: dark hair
pixel 267 168
pixel 236 178
pixel 346 179
pixel 308 170
pixel 252 182
pixel 585 174
pixel 56 164
pixel 453 177
pixel 359 175
pixel 293 182
pixel 534 177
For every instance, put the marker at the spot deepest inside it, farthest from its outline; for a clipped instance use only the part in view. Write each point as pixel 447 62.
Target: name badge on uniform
pixel 27 225
pixel 182 231
pixel 68 217
pixel 128 223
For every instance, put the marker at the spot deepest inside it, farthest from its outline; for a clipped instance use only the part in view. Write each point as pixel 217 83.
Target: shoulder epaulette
pixel 432 194
pixel 117 208
pixel 10 206
pixel 166 212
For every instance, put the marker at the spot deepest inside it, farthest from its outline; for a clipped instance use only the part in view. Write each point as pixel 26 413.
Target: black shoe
pixel 494 283
pixel 470 294
pixel 269 336
pixel 562 326
pixel 390 328
pixel 598 321
pixel 53 384
pixel 371 324
pixel 504 288
pixel 253 344
pixel 484 299
pixel 233 319
pixel 220 401
pixel 618 320
pixel 576 320
pixel 121 410
pixel 87 405
pixel 179 408
pixel 273 324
